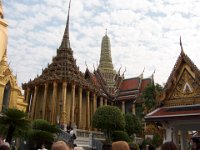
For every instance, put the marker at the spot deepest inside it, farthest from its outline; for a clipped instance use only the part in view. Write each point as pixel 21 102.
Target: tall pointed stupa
pixel 3 32
pixel 106 66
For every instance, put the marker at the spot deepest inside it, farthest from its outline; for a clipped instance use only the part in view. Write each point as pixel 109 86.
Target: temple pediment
pixel 183 85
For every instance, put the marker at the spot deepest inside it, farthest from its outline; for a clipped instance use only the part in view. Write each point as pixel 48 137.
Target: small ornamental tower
pixel 106 66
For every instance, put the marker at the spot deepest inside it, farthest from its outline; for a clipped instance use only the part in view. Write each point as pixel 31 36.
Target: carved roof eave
pixel 182 58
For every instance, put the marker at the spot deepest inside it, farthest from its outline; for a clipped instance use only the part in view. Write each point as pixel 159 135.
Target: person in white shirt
pixel 43 147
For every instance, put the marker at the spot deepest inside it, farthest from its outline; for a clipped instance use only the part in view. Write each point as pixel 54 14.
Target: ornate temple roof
pixel 63 66
pixel 181 98
pixel 132 88
pixel 183 58
pixel 185 73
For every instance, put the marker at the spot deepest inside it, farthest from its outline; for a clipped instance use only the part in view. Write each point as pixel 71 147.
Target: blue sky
pixel 143 34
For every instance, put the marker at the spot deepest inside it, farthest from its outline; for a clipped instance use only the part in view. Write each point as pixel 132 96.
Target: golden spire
pixel 65 41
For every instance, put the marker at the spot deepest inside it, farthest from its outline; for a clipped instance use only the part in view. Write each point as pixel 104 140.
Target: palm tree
pixel 16 122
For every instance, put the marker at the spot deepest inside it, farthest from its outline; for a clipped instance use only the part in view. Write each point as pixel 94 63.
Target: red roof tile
pixel 145 82
pixel 173 112
pixel 130 84
pixel 126 97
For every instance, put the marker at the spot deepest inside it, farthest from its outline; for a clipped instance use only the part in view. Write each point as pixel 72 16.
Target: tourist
pixel 1 140
pixel 169 146
pixel 120 145
pixel 60 145
pixel 42 147
pixel 78 148
pixel 5 146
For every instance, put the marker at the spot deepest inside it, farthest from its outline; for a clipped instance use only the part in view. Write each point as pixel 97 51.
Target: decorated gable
pixel 183 86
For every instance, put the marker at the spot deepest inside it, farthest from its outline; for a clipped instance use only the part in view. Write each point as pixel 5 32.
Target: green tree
pixel 109 119
pixel 157 140
pixel 150 95
pixel 133 124
pixel 120 136
pixel 14 122
pixel 42 132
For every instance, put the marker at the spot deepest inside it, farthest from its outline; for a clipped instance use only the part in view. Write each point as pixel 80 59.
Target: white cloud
pixel 143 34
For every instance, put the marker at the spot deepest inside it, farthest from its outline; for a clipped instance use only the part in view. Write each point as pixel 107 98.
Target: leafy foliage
pixel 42 132
pixel 134 146
pixel 149 95
pixel 133 124
pixel 14 122
pixel 157 140
pixel 108 118
pixel 147 141
pixel 120 136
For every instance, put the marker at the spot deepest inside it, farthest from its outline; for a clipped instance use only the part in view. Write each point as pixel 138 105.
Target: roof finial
pixel 65 41
pixel 106 31
pixel 141 75
pixel 119 69
pixel 94 67
pixel 181 45
pixel 124 72
pixel 86 65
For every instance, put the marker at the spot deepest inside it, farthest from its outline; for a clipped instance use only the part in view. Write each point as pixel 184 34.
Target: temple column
pixel 94 103
pixel 175 136
pixel 88 110
pixel 133 109
pixel 106 102
pixel 34 102
pixel 64 99
pixel 168 134
pixel 101 101
pixel 80 107
pixel 73 103
pixel 44 101
pixel 123 107
pixel 53 106
pixel 27 95
pixel 183 139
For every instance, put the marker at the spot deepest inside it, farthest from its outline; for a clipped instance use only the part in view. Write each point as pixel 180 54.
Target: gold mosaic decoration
pixel 186 87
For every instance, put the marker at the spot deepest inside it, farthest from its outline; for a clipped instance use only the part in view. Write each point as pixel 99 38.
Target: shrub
pixel 134 146
pixel 120 136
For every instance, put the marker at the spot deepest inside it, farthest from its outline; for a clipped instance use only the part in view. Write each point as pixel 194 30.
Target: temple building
pixel 62 94
pixel 179 111
pixel 10 93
